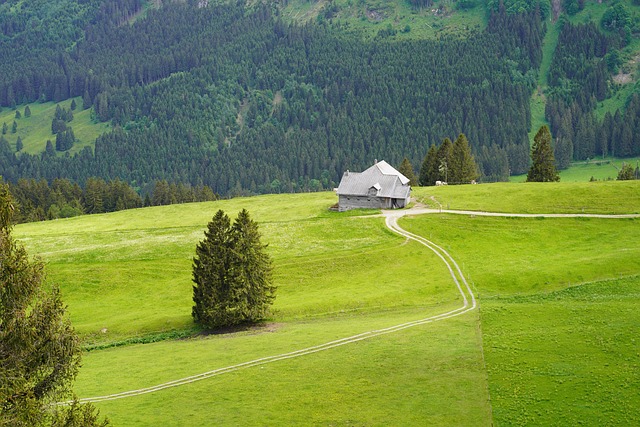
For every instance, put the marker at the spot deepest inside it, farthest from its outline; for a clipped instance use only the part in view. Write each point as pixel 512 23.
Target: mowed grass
pixel 614 197
pixel 520 256
pixel 558 303
pixel 36 130
pixel 565 358
pixel 429 375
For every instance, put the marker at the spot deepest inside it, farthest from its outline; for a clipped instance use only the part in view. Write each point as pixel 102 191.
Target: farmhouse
pixel 379 187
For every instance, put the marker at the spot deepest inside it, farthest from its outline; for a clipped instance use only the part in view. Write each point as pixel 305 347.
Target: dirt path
pixel 469 303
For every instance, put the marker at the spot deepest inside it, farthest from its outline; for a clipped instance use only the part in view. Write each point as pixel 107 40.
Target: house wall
pixel 346 203
pixel 401 203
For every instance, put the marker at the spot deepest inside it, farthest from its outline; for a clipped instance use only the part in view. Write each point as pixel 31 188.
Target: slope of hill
pixel 336 280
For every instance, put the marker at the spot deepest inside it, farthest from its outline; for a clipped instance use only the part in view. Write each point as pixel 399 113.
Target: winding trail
pixel 391 220
pixel 469 303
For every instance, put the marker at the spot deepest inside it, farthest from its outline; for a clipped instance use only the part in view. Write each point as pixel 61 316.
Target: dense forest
pixel 235 98
pixel 242 102
pixel 579 78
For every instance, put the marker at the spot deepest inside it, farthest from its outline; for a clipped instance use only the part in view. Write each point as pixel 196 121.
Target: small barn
pixel 379 187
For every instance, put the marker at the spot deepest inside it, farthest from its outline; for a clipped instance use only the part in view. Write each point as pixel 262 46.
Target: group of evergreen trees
pixel 580 78
pixel 39 200
pixel 245 103
pixel 232 273
pixel 449 163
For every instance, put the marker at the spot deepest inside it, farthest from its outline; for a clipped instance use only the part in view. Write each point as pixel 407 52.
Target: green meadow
pixel 36 130
pixel 556 297
pixel 610 197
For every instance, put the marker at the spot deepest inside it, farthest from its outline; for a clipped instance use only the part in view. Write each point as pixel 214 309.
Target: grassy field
pixel 340 274
pixel 568 357
pixel 36 130
pixel 610 197
pixel 558 302
pixel 583 171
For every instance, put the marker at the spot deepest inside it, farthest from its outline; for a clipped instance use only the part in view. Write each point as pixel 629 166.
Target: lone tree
pixel 626 172
pixel 232 274
pixel 39 349
pixel 543 168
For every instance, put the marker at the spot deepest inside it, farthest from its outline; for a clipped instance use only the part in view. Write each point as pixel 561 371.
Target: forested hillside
pixel 246 100
pixel 241 101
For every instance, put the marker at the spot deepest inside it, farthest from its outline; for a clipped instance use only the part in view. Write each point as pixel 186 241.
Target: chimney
pixel 375 162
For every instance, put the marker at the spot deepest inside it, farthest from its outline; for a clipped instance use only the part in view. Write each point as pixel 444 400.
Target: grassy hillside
pixel 371 16
pixel 558 333
pixel 613 197
pixel 583 171
pixel 340 274
pixel 36 130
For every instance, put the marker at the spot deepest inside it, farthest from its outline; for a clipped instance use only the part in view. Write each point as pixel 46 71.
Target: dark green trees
pixel 406 169
pixel 451 162
pixel 626 172
pixel 463 166
pixel 39 349
pixel 428 175
pixel 543 168
pixel 232 274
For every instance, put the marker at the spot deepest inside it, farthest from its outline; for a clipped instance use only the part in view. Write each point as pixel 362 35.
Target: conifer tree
pixel 254 267
pixel 463 168
pixel 27 111
pixel 626 172
pixel 445 152
pixel 543 168
pixel 19 144
pixel 232 274
pixel 429 168
pixel 407 170
pixel 39 349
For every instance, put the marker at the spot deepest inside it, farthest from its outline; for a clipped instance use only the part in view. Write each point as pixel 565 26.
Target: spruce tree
pixel 443 163
pixel 626 172
pixel 19 144
pixel 27 111
pixel 254 268
pixel 429 169
pixel 543 167
pixel 407 170
pixel 39 349
pixel 463 167
pixel 232 274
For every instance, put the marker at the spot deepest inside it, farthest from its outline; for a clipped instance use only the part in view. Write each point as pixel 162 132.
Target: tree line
pixel 245 103
pixel 37 200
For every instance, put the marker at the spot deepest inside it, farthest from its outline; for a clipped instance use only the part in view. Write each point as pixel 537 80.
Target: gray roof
pixel 386 180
